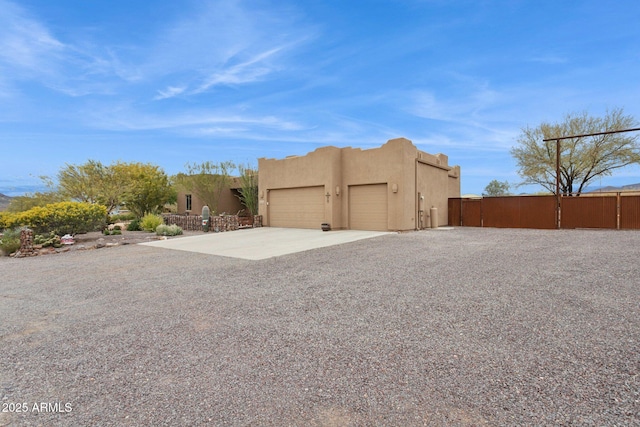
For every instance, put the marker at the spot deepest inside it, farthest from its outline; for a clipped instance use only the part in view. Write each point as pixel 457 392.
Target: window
pixel 188 202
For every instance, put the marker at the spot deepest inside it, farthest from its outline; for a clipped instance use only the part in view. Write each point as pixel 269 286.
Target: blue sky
pixel 171 82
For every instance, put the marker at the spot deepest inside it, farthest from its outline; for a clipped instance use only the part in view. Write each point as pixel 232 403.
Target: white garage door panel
pixel 368 207
pixel 297 207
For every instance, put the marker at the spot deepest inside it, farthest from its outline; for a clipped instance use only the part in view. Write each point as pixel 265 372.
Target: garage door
pixel 368 207
pixel 297 207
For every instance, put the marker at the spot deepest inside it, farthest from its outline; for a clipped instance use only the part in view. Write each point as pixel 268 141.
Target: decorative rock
pixel 26 244
pixel 100 243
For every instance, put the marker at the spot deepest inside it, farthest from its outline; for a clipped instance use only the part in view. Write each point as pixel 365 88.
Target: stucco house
pixel 229 202
pixel 390 188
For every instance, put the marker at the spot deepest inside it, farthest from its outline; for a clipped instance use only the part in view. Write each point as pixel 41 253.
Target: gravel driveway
pixel 462 327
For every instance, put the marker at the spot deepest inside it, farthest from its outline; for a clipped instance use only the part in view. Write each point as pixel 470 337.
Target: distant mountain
pixel 611 189
pixel 4 202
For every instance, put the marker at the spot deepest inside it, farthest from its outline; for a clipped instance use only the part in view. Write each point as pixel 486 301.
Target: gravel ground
pixel 462 327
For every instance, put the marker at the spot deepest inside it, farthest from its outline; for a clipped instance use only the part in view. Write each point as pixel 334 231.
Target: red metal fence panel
pixel 501 212
pixel 589 212
pixel 455 212
pixel 519 212
pixel 538 212
pixel 630 212
pixel 471 212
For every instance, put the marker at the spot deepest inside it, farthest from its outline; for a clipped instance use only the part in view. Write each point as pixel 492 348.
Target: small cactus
pixel 205 218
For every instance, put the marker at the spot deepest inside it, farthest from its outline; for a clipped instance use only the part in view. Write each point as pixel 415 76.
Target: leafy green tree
pixel 249 188
pixel 93 182
pixel 147 188
pixel 82 182
pixel 583 159
pixel 206 180
pixel 144 188
pixel 497 188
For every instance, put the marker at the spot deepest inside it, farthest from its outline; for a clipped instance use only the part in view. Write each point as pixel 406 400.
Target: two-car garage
pixel 304 207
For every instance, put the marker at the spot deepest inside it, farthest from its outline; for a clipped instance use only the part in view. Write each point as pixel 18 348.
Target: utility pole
pixel 558 183
pixel 557 140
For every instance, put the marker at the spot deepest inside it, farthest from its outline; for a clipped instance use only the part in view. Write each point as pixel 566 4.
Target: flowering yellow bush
pixel 6 220
pixel 60 218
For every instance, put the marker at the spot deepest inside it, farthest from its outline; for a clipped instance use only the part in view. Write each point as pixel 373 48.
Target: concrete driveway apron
pixel 264 242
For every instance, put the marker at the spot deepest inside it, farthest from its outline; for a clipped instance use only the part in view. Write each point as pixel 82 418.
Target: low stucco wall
pixel 228 203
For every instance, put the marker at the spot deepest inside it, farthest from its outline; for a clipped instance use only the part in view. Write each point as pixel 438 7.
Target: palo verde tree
pixel 147 188
pixel 206 180
pixel 82 182
pixel 582 159
pixel 93 182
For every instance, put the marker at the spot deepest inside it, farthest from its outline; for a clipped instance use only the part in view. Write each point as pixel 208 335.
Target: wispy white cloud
pixel 212 44
pixel 25 43
pixel 465 108
pixel 169 92
pixel 246 72
pixel 127 118
pixel 31 52
pixel 225 43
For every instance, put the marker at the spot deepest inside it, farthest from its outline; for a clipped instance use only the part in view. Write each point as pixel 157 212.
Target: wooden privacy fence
pixel 588 211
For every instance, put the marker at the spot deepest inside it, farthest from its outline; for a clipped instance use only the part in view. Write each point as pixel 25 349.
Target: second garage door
pixel 368 207
pixel 297 207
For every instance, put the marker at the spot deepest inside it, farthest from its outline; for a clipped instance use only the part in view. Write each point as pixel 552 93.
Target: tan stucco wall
pixel 228 203
pixel 454 182
pixel 318 168
pixel 388 164
pixel 398 163
pixel 432 189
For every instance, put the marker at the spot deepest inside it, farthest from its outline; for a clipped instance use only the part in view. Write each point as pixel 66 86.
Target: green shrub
pixel 129 216
pixel 116 231
pixel 134 225
pixel 61 218
pixel 10 241
pixel 168 230
pixel 150 222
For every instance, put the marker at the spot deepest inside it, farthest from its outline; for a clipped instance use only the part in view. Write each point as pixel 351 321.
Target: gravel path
pixel 462 327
